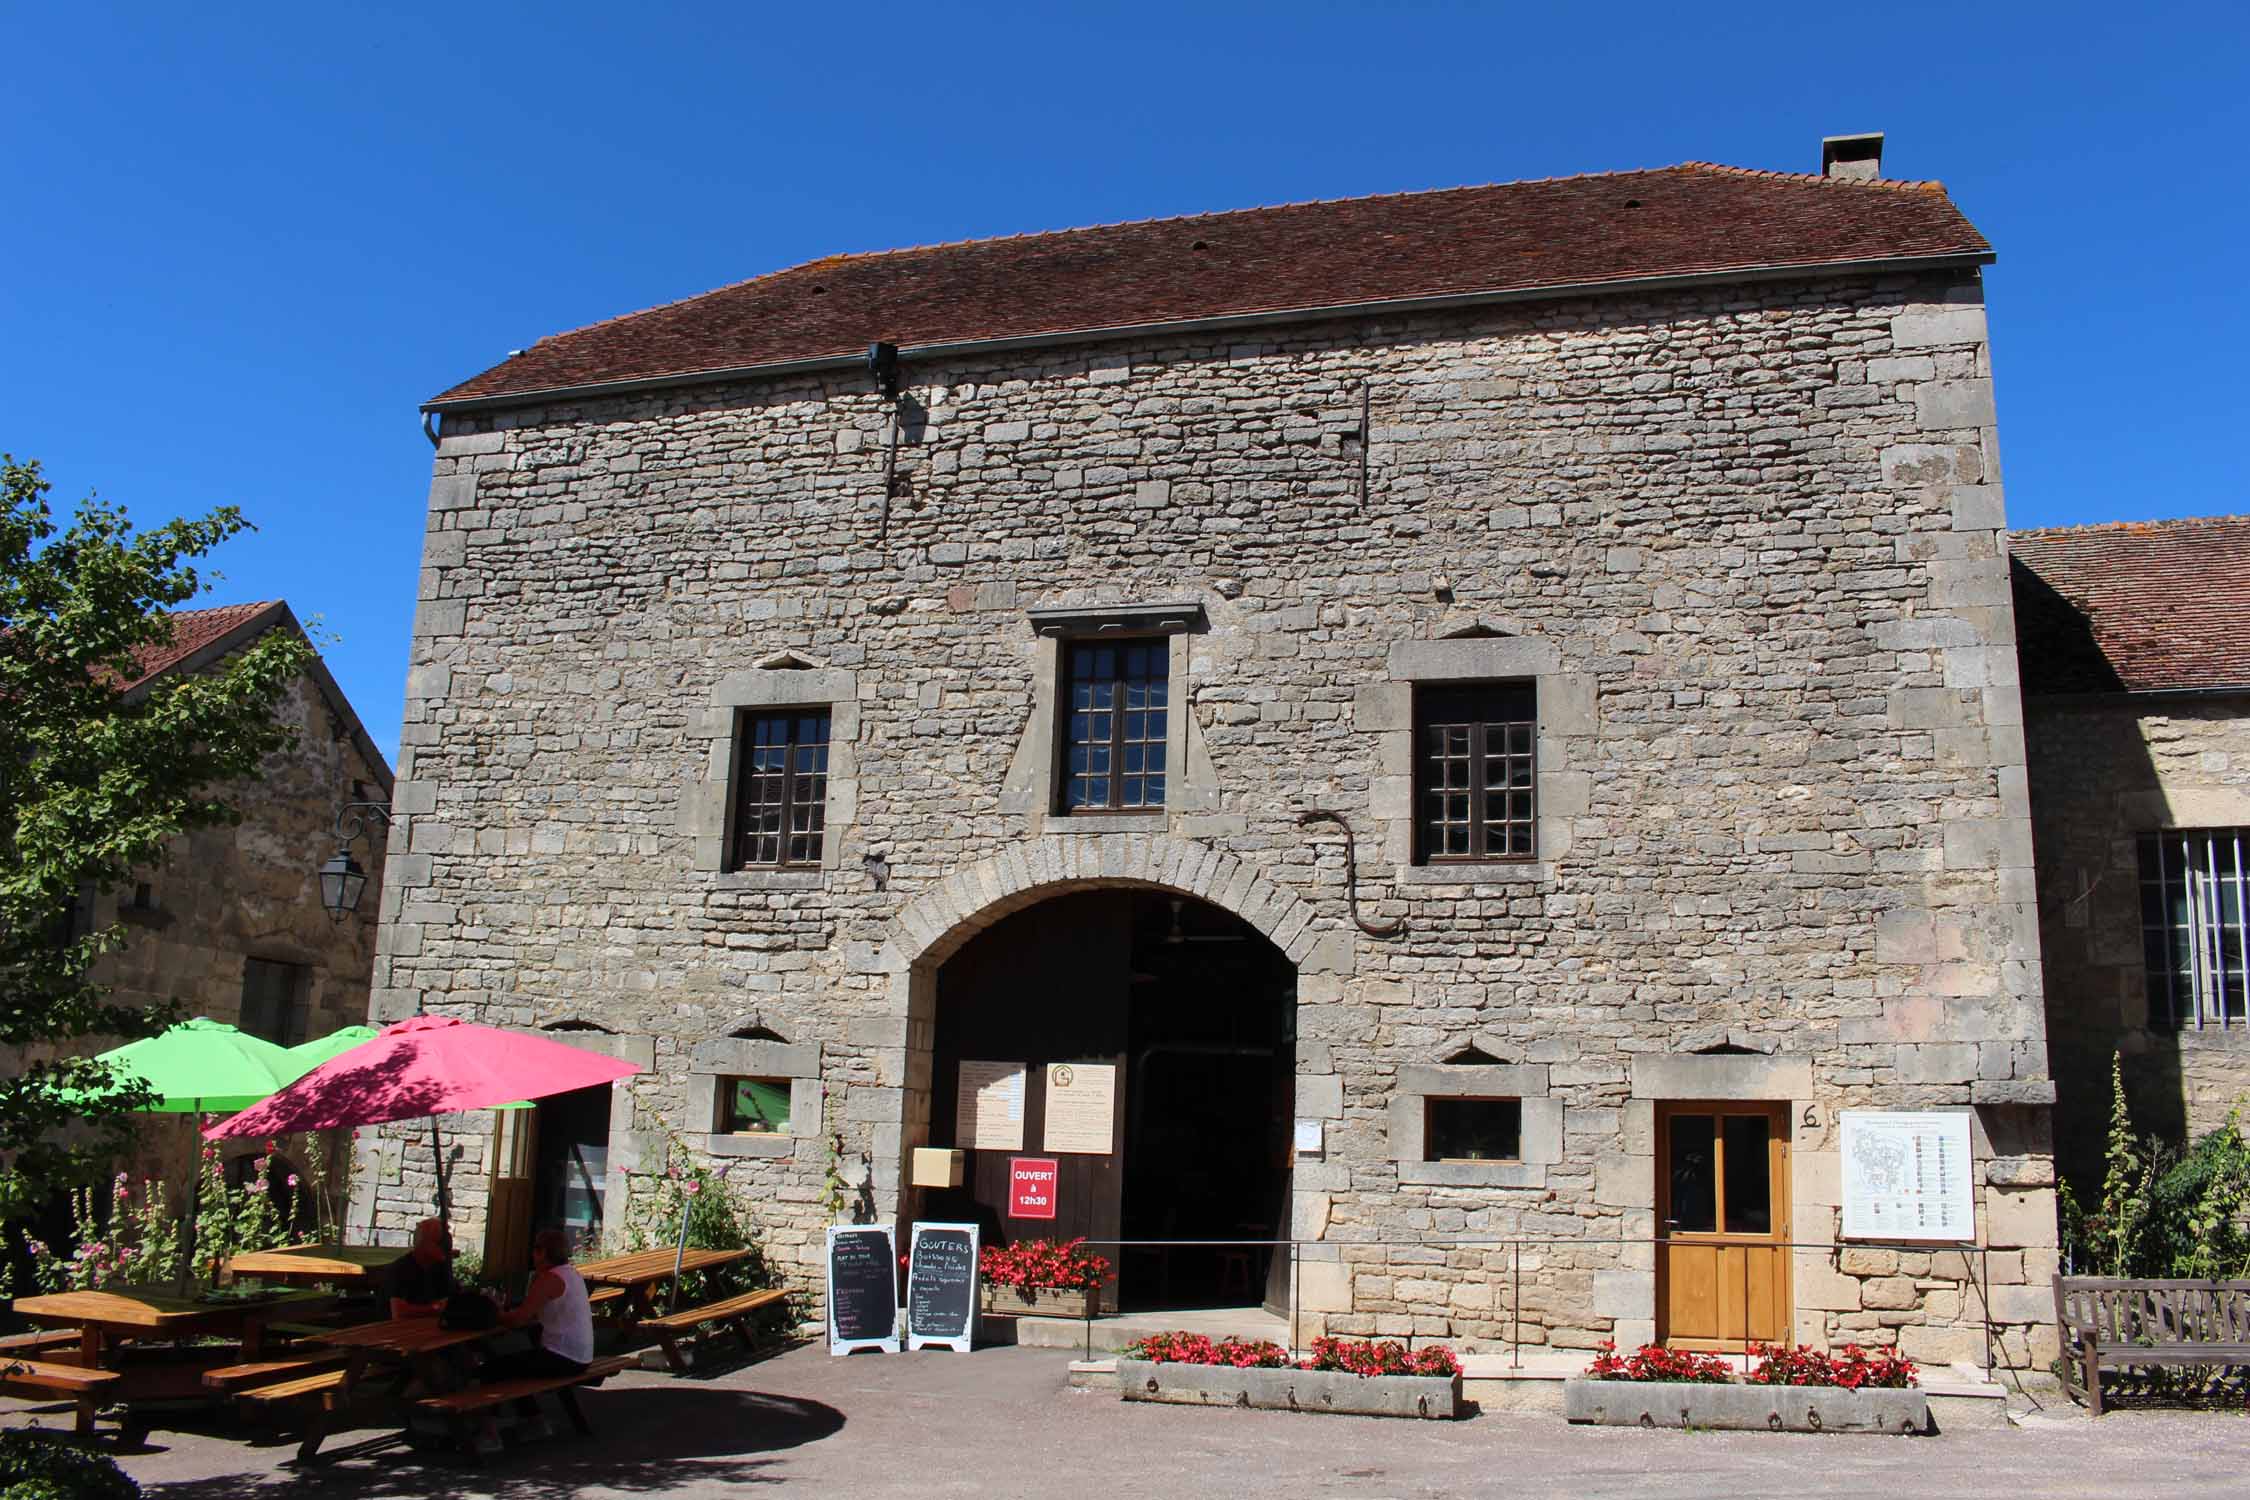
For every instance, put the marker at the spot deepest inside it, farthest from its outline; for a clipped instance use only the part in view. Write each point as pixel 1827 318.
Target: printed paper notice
pixel 1081 1107
pixel 988 1109
pixel 1907 1175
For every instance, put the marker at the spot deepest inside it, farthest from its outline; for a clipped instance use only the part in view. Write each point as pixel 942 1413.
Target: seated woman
pixel 556 1301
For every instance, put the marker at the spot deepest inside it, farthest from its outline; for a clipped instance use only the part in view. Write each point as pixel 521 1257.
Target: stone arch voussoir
pixel 935 924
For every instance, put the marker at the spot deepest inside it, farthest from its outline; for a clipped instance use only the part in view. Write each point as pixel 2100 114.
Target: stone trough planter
pixel 1745 1408
pixel 1426 1396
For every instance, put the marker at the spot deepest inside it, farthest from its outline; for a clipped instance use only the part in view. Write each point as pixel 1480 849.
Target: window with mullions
pixel 781 789
pixel 1113 753
pixel 2193 926
pixel 1473 773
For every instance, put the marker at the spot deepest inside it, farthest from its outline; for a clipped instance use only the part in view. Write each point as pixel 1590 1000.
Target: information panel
pixel 941 1287
pixel 1907 1175
pixel 1081 1108
pixel 862 1288
pixel 988 1106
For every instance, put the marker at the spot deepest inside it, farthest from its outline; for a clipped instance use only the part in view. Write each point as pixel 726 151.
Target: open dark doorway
pixel 570 1175
pixel 1195 1010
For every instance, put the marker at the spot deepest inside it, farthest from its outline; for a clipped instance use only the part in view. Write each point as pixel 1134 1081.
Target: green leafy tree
pixel 97 782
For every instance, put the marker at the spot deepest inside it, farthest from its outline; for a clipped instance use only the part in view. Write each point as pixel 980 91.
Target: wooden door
pixel 507 1221
pixel 1722 1221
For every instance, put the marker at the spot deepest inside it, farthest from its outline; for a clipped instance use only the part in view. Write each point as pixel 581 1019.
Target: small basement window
pixel 1473 1130
pixel 753 1106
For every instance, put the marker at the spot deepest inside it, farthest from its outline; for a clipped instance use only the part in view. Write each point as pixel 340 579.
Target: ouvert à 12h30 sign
pixel 1032 1183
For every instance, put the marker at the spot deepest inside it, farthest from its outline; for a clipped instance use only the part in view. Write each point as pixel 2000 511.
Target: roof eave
pixel 1223 322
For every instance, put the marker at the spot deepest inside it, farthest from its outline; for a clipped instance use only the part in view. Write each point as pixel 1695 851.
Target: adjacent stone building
pixel 2136 665
pixel 1470 725
pixel 231 926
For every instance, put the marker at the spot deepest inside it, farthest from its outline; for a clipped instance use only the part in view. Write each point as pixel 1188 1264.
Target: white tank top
pixel 566 1323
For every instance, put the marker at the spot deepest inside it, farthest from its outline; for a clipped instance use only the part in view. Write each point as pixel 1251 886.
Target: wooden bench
pixel 88 1390
pixel 42 1341
pixel 457 1407
pixel 324 1392
pixel 733 1312
pixel 263 1372
pixel 2115 1323
pixel 603 1300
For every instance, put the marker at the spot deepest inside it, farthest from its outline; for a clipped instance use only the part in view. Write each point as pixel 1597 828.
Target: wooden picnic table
pixel 414 1344
pixel 640 1271
pixel 350 1267
pixel 108 1319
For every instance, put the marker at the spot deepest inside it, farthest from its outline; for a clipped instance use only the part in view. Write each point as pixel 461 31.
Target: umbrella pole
pixel 437 1156
pixel 194 1185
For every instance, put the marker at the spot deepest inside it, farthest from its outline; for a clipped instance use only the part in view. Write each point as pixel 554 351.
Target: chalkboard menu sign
pixel 941 1287
pixel 862 1288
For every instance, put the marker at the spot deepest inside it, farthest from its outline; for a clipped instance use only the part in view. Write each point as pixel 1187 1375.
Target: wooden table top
pixel 404 1336
pixel 350 1263
pixel 154 1312
pixel 644 1266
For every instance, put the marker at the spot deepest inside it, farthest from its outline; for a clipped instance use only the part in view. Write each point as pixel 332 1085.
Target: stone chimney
pixel 1859 156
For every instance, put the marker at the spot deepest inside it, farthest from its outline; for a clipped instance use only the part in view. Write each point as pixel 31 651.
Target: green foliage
pixel 2161 1213
pixel 95 784
pixel 717 1216
pixel 37 1465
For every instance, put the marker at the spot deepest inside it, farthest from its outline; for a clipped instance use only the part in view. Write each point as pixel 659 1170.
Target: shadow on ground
pixel 640 1437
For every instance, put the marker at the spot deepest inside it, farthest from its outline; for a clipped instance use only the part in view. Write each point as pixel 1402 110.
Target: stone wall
pixel 1744 538
pixel 2105 770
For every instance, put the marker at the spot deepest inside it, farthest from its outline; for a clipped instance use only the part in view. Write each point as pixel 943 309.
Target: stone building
pixel 2136 668
pixel 232 926
pixel 1472 724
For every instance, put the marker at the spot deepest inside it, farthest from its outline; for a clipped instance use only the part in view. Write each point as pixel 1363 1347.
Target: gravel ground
pixel 1001 1422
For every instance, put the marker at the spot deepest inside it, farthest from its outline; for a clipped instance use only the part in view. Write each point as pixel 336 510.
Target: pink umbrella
pixel 424 1065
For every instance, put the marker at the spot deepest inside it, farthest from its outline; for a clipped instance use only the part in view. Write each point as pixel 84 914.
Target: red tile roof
pixel 192 630
pixel 1693 219
pixel 2134 606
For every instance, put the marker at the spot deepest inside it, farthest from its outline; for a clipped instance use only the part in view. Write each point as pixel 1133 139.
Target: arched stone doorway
pixel 1181 1017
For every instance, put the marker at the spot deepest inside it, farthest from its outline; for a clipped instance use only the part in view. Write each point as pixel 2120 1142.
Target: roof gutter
pixel 1223 323
pixel 2139 695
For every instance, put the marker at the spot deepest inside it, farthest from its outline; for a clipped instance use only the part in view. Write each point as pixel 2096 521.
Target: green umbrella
pixel 306 1056
pixel 204 1067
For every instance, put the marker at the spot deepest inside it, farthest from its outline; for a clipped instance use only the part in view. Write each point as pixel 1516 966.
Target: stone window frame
pixel 726 1057
pixel 710 801
pixel 1526 1083
pixel 1033 786
pixel 1568 711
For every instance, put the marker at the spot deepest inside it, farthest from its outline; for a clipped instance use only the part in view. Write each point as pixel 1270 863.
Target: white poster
pixel 1907 1176
pixel 988 1107
pixel 1081 1108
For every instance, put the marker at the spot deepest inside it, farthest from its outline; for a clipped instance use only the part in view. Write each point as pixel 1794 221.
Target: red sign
pixel 1031 1187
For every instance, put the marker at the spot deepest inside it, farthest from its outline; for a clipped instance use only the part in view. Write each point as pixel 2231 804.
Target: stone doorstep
pixel 1114 1332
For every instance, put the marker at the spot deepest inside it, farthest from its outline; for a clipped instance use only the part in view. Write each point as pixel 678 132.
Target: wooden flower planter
pixel 1431 1397
pixel 1042 1302
pixel 1745 1408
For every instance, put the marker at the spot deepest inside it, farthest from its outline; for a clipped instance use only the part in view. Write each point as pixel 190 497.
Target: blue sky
pixel 245 242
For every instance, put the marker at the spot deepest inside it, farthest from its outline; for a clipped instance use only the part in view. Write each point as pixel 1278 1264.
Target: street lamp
pixel 341 877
